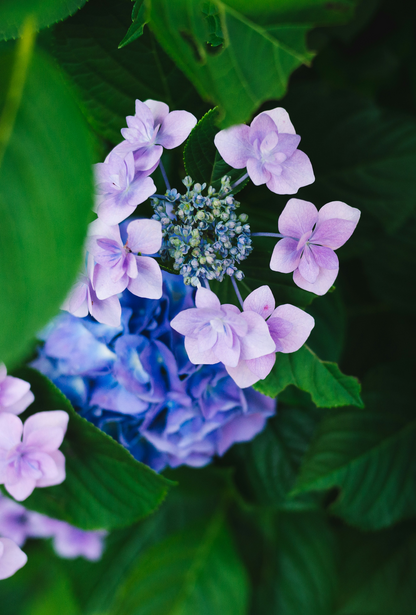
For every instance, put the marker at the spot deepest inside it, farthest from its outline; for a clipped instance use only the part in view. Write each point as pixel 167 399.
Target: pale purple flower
pixel 310 238
pixel 120 188
pixel 15 394
pixel 11 558
pixel 118 267
pixel 151 129
pixel 289 328
pixel 215 332
pixel 71 542
pixel 34 460
pixel 268 148
pixel 82 300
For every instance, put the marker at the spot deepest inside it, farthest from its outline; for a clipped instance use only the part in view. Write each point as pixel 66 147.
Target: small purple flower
pixel 215 332
pixel 120 188
pixel 117 266
pixel 33 461
pixel 289 328
pixel 15 394
pixel 151 129
pixel 268 148
pixel 71 542
pixel 310 238
pixel 11 558
pixel 82 300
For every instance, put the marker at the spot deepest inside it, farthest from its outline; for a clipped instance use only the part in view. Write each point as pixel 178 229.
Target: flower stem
pixel 237 292
pixel 165 177
pixel 239 181
pixel 267 235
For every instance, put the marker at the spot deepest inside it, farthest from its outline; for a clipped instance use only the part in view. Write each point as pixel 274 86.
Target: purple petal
pixel 281 118
pixel 11 391
pixel 144 236
pixel 189 322
pixel 22 404
pixel 148 283
pixel 114 210
pixel 77 301
pixel 297 218
pixel 147 157
pixel 59 476
pixel 11 429
pixel 257 342
pixel 257 172
pixel 175 128
pixel 21 489
pixel 260 301
pixel 338 209
pixel 104 286
pixel 205 298
pixel 261 126
pixel 234 145
pixel 308 267
pixel 302 324
pixel 159 110
pixel 247 373
pixel 11 558
pixel 240 429
pixel 107 311
pixel 227 348
pixel 323 282
pixel 36 429
pixel 198 356
pixel 324 257
pixel 297 172
pixel 286 256
pixel 336 223
pixel 98 228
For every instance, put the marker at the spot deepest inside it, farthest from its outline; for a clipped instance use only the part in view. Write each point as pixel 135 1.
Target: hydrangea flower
pixel 215 332
pixel 34 460
pixel 120 188
pixel 117 266
pixel 289 328
pixel 17 523
pixel 15 393
pixel 268 149
pixel 146 393
pixel 11 558
pixel 310 238
pixel 151 129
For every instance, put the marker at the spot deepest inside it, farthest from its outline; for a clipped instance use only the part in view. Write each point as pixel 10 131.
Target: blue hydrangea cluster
pixel 203 235
pixel 136 383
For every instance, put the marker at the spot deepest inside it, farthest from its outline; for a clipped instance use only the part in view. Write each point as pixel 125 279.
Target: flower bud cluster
pixel 203 235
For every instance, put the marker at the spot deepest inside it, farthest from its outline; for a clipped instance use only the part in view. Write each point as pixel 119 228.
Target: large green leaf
pixel 45 196
pixel 266 468
pixel 368 454
pixel 361 154
pixel 252 66
pixel 105 487
pixel 295 11
pixel 45 12
pixel 377 572
pixel 110 79
pixel 194 571
pixel 327 385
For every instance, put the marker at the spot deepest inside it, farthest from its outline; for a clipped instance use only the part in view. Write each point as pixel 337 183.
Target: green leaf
pixel 45 196
pixel 326 384
pixel 105 487
pixel 110 79
pixel 139 20
pixel 13 13
pixel 368 454
pixel 361 154
pixel 202 159
pixel 376 572
pixel 327 336
pixel 306 565
pixel 194 571
pixel 252 66
pixel 296 11
pixel 266 468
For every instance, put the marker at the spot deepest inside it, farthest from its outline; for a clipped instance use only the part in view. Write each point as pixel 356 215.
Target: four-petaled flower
pixel 151 129
pixel 118 266
pixel 310 238
pixel 33 461
pixel 289 328
pixel 221 333
pixel 268 148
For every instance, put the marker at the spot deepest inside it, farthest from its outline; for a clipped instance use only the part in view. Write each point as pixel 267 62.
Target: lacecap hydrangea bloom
pixel 136 382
